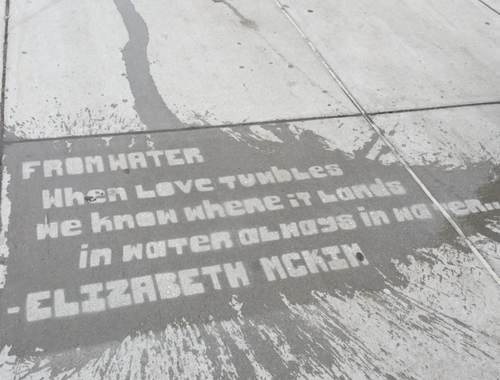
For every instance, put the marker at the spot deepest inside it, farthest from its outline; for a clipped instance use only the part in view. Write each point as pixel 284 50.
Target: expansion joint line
pixel 3 92
pixel 388 143
pixel 489 7
pixel 4 77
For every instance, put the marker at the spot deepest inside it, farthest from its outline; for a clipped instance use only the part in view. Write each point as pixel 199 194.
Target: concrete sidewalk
pixel 266 189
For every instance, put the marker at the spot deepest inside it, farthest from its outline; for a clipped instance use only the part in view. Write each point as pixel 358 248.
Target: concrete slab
pixel 298 251
pixel 65 73
pixel 406 54
pixel 235 61
pixel 456 153
pixel 164 66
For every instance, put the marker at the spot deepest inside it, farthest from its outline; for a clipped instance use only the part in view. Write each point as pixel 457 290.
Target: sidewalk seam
pixel 3 90
pixel 489 7
pixel 3 259
pixel 270 123
pixel 5 44
pixel 388 143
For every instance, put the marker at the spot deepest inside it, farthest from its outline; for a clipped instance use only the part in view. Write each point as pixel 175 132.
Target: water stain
pixel 148 103
pixel 243 20
pixel 421 297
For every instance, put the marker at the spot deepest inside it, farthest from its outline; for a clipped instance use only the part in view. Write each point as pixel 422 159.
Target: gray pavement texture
pixel 226 189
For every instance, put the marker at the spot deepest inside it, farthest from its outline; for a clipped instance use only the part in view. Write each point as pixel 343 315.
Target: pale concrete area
pixel 65 73
pixel 218 62
pixel 113 66
pixel 407 54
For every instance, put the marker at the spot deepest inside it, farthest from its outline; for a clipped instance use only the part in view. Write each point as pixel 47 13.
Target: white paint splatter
pixel 345 135
pixel 263 134
pixel 7 364
pixel 83 123
pixel 493 225
pixel 150 142
pixel 443 324
pixel 489 248
pixel 107 140
pixel 5 221
pixel 450 138
pixel 69 146
pixel 428 141
pixel 233 133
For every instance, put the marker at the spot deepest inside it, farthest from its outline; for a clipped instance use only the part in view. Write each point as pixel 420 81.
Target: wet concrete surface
pixel 148 102
pixel 191 240
pixel 333 225
pixel 455 153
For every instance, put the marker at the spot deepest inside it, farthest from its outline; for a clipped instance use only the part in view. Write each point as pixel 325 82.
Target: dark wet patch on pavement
pixel 149 104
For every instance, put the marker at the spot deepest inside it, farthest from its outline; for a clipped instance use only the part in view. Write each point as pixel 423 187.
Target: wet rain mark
pixel 243 20
pixel 148 102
